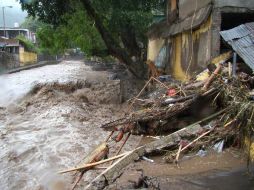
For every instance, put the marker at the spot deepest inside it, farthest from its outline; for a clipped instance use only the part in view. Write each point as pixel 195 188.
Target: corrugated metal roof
pixel 241 39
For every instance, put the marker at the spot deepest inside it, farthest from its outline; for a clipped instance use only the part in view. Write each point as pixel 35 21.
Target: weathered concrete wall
pixel 154 47
pixel 27 58
pixel 188 7
pixel 8 61
pixel 249 4
pixel 191 51
pixel 215 29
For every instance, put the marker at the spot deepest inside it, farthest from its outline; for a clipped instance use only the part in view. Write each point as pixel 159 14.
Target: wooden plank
pixel 114 171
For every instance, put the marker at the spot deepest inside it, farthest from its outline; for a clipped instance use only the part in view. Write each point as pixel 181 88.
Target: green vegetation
pixel 28 45
pixel 76 32
pixel 33 24
pixel 98 27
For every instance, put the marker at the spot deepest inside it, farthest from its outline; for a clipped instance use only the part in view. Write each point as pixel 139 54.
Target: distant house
pixel 189 37
pixel 12 33
pixel 9 45
pixel 9 53
pixel 13 51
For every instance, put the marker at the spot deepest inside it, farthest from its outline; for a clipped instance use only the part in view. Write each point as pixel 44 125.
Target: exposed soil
pixel 194 172
pixel 49 121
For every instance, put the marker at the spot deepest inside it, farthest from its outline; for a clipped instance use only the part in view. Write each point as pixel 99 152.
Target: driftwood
pixel 149 115
pixel 158 113
pixel 182 99
pixel 114 171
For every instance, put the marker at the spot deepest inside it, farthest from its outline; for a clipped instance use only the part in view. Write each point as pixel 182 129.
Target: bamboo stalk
pixel 230 122
pixel 77 181
pixel 87 166
pixel 204 134
pixel 110 135
pixel 130 106
pixel 160 83
pixel 178 154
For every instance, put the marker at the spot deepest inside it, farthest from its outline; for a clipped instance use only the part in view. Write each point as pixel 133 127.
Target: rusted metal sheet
pixel 241 39
pixel 165 30
pixel 192 22
pixel 188 7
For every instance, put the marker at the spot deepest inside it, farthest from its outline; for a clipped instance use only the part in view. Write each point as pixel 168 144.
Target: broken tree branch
pixel 211 78
pixel 121 147
pixel 191 143
pixel 87 166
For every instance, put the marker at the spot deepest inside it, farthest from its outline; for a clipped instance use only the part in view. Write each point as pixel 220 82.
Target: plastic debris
pixel 218 147
pixel 147 159
pixel 202 153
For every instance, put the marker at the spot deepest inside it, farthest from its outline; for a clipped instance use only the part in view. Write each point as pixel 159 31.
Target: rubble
pixel 220 108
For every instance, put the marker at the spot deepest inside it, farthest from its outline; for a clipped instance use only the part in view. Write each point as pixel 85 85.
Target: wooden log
pixel 159 113
pixel 148 115
pixel 114 171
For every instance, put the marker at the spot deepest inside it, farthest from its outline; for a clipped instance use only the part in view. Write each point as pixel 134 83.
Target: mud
pixel 226 170
pixel 49 121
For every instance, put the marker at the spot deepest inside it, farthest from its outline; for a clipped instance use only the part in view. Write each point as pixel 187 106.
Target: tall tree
pixel 122 24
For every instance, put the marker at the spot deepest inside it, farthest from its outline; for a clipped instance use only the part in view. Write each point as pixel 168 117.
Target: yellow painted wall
pixel 251 148
pixel 154 47
pixel 27 58
pixel 181 42
pixel 177 70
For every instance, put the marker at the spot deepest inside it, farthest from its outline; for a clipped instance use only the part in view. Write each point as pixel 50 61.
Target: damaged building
pixel 188 39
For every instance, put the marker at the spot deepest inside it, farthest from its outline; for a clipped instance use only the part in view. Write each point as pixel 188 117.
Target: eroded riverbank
pixel 50 118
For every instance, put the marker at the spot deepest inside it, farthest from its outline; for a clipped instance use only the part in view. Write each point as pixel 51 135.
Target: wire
pixel 192 44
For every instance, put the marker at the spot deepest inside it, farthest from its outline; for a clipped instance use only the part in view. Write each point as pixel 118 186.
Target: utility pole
pixel 3 10
pixel 3 20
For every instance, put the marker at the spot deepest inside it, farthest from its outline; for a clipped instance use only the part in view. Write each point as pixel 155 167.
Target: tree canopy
pixel 114 26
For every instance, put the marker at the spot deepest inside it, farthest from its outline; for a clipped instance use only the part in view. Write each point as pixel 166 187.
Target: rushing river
pixel 51 128
pixel 49 120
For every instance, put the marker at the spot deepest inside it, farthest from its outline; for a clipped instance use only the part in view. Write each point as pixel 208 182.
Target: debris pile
pixel 214 110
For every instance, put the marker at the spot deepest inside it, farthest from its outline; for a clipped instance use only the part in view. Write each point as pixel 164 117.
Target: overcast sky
pixel 12 15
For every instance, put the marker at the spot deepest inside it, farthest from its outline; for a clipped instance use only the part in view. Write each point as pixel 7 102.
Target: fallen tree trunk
pixel 149 115
pixel 159 113
pixel 113 172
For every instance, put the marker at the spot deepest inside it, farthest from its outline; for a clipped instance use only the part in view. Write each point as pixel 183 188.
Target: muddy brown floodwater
pixel 49 120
